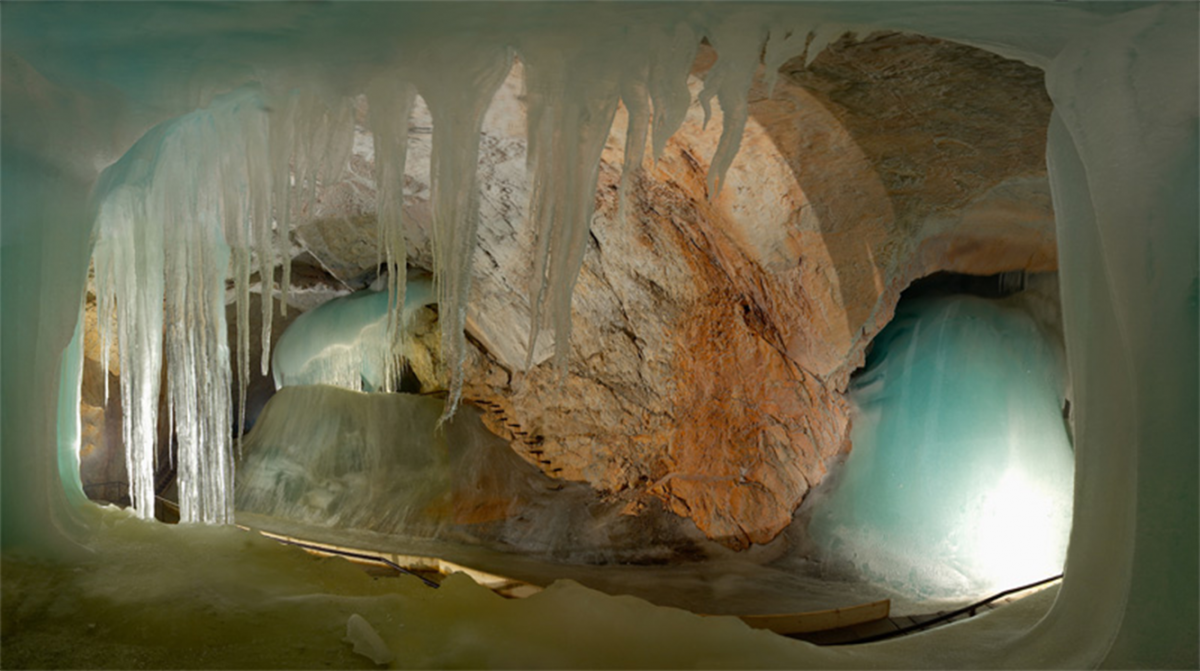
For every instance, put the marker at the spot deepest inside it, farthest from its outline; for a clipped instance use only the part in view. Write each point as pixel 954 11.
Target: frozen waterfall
pixel 960 476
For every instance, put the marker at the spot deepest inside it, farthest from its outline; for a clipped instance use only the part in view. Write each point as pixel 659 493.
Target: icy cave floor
pixel 150 595
pixel 725 583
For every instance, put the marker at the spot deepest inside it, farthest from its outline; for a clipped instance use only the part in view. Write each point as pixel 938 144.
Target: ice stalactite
pixel 197 347
pixel 667 84
pixel 211 196
pixel 739 42
pixel 189 205
pixel 654 87
pixel 569 119
pixel 389 106
pixel 319 132
pixel 785 42
pixel 1123 154
pixel 129 283
pixel 570 115
pixel 457 83
pixel 310 140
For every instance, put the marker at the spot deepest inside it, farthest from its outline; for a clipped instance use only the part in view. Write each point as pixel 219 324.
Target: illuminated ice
pixel 345 342
pixel 960 475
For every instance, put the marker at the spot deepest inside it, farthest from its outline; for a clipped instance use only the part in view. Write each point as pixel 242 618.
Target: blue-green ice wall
pixel 960 475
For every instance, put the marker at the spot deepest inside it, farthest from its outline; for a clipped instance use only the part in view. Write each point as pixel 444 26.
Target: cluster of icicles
pixel 212 194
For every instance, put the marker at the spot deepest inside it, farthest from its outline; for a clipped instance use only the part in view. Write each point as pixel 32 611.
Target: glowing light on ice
pixel 1021 535
pixel 960 476
pixel 347 342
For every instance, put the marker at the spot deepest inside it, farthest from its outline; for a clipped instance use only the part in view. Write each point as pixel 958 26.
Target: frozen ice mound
pixel 346 342
pixel 960 478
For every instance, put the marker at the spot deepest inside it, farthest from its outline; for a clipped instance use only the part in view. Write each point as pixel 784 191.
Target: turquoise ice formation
pixel 344 342
pixel 960 475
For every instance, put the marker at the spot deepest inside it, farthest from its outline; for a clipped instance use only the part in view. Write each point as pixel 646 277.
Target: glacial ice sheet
pixel 348 342
pixel 959 480
pixel 376 471
pixel 338 460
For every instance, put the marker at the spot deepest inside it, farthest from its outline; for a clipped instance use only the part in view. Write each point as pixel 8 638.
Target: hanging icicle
pixel 211 197
pixel 190 205
pixel 569 120
pixel 129 285
pixel 739 43
pixel 457 97
pixel 389 106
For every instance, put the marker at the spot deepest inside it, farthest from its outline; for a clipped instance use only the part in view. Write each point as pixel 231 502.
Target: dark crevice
pixel 1000 285
pixel 945 283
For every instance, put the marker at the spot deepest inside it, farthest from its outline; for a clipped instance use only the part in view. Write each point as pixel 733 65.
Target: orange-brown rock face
pixel 714 336
pixel 753 430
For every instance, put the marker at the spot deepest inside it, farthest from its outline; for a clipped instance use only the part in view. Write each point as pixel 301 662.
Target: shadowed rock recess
pixel 713 337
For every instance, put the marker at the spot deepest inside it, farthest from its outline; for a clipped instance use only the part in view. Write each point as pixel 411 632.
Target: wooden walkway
pixel 861 623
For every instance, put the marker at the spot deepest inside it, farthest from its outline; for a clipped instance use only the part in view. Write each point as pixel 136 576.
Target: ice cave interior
pixel 677 311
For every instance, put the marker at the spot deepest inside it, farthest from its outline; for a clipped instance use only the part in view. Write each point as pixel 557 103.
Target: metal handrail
pixel 952 614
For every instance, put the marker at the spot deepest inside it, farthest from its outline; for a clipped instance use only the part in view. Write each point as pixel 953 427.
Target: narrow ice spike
pixel 738 42
pixel 389 106
pixel 457 100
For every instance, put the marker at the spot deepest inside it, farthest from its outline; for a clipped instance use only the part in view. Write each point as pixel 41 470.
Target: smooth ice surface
pixel 960 476
pixel 347 342
pixel 1122 154
pixel 375 471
